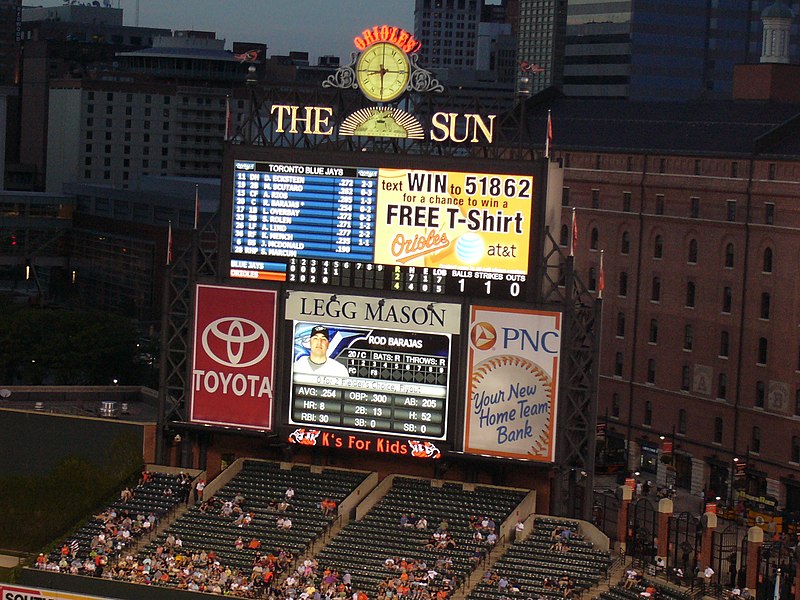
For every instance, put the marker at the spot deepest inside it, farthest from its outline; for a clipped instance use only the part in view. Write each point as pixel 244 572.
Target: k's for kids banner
pixel 513 360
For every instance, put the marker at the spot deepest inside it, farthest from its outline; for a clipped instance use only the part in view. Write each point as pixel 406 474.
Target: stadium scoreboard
pixel 437 232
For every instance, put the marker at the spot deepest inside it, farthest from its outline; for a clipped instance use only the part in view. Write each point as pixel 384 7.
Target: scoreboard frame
pixel 359 275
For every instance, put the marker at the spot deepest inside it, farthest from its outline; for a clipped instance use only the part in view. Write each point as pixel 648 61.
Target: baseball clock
pixel 383 71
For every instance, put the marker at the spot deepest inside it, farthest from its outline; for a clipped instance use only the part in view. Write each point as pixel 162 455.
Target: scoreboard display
pixel 371 365
pixel 393 383
pixel 437 232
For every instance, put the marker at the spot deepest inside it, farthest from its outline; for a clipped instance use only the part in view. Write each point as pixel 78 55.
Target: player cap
pixel 320 329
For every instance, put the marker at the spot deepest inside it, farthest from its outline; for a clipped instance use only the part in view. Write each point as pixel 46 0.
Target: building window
pixel 769 213
pixel 731 210
pixel 623 284
pixel 648 413
pixel 626 201
pixel 685 378
pixel 630 163
pixel 625 246
pixel 598 161
pixel 592 284
pixel 615 405
pixel 755 440
pixel 594 238
pixel 767 267
pixel 697 169
pixel 795 457
pixel 694 207
pixel 621 325
pixel 727 299
pixel 662 165
pixel 729 256
pixel 718 425
pixel 564 238
pixel 690 294
pixel 565 196
pixel 724 343
pixel 618 364
pixel 759 394
pixel 595 198
pixel 797 402
pixel 765 298
pixel 682 421
pixel 693 251
pixel 651 370
pixel 734 169
pixel 762 351
pixel 688 337
pixel 659 204
pixel 658 247
pixel 773 168
pixel 653 334
pixel 655 290
pixel 722 386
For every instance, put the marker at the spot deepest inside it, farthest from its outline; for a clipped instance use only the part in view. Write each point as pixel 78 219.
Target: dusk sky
pixel 317 26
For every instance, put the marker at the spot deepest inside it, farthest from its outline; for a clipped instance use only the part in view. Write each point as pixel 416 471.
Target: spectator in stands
pixel 519 528
pixel 491 539
pixel 199 488
pixel 289 494
pixel 422 523
pixel 631 578
pixel 328 506
pixel 239 543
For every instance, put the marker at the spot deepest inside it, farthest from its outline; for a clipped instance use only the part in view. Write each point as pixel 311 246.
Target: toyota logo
pixel 242 338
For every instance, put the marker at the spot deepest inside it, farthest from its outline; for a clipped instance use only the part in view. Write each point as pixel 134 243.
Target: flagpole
pixel 196 205
pixel 169 244
pixel 573 238
pixel 227 118
pixel 548 136
pixel 602 283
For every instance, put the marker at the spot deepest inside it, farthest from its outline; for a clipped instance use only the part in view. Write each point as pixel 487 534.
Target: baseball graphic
pixel 511 395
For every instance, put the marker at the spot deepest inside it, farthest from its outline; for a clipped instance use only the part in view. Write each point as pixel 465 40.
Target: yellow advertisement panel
pixel 454 220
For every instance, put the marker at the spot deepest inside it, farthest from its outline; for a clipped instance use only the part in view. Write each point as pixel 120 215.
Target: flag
pixel 602 282
pixel 169 244
pixel 573 241
pixel 777 593
pixel 549 141
pixel 196 205
pixel 227 118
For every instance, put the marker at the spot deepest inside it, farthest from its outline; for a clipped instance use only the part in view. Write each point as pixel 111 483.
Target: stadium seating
pixel 260 483
pixel 362 547
pixel 527 564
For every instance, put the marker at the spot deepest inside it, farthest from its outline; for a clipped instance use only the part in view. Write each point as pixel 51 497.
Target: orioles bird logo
pixel 424 449
pixel 249 56
pixel 306 437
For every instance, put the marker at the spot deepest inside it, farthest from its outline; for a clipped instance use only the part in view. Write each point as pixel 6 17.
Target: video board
pixel 415 230
pixel 371 365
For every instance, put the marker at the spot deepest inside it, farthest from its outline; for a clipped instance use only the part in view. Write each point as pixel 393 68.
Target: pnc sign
pixel 384 69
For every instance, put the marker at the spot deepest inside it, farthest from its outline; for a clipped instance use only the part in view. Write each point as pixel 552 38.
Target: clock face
pixel 383 72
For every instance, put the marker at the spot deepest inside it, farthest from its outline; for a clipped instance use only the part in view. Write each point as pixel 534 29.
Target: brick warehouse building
pixel 696 209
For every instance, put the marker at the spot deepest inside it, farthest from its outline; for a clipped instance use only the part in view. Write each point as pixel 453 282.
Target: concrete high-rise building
pixel 448 30
pixel 541 33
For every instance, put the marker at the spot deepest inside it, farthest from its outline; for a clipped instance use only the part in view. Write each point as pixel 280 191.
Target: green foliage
pixel 65 347
pixel 35 510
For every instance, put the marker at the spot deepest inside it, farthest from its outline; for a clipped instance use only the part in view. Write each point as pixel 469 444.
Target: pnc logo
pixel 483 335
pixel 235 342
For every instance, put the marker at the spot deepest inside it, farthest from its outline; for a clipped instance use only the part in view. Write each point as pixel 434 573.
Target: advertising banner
pixel 512 364
pixel 15 592
pixel 234 357
pixel 453 220
pixel 372 365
